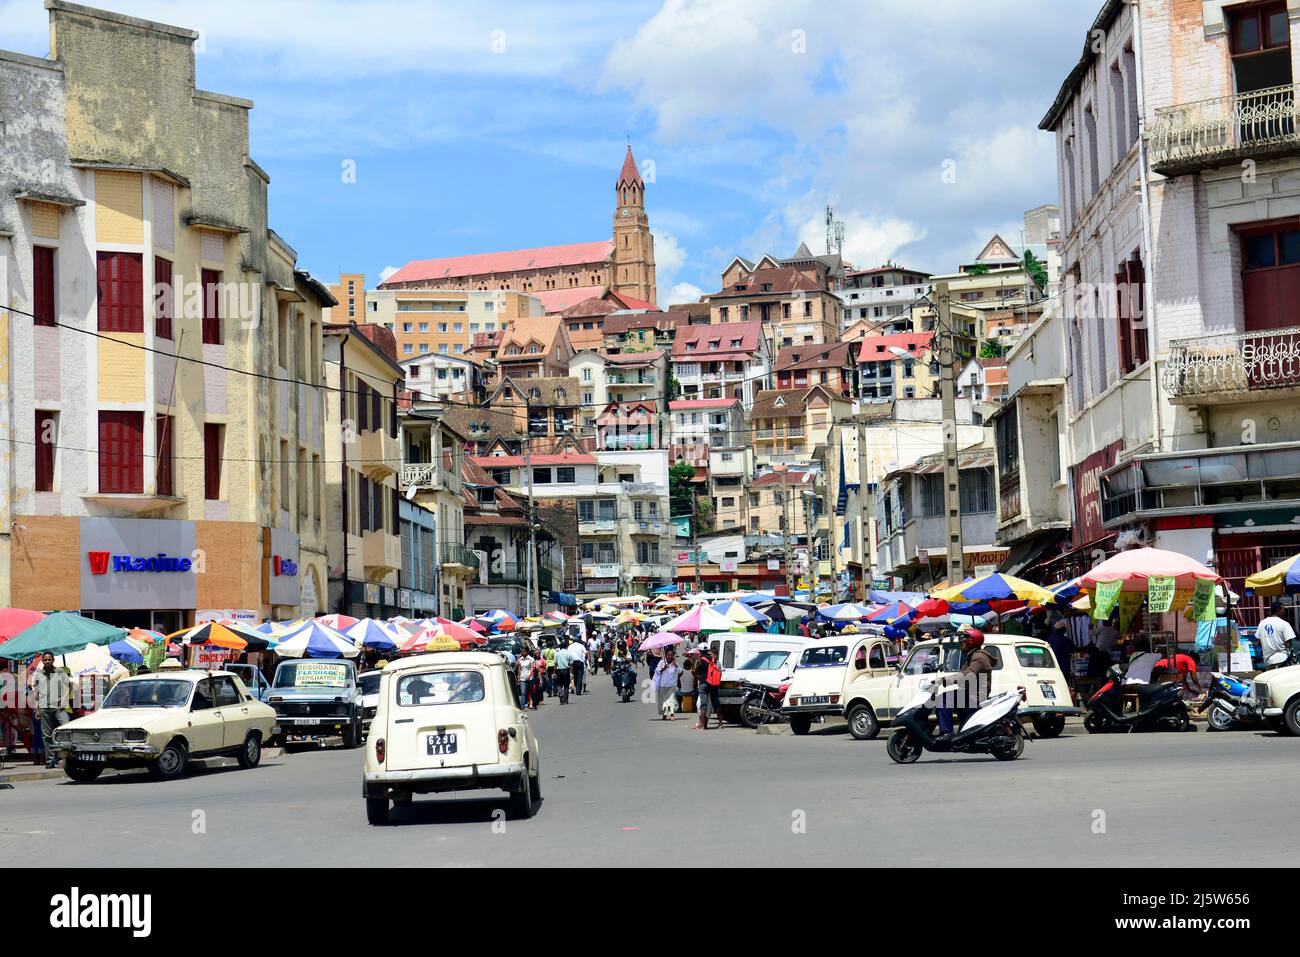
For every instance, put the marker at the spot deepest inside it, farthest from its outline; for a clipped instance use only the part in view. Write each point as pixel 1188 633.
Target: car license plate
pixel 1048 691
pixel 441 743
pixel 91 756
pixel 815 699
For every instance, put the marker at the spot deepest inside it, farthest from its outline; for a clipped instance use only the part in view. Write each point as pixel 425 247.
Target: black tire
pixel 902 748
pixel 1049 725
pixel 171 764
pixel 521 797
pixel 750 713
pixel 250 755
pixel 1009 752
pixel 377 811
pixel 1180 720
pixel 80 771
pixel 1094 723
pixel 1218 720
pixel 863 724
pixel 535 787
pixel 1278 725
pixel 1291 717
pixel 352 737
pixel 800 723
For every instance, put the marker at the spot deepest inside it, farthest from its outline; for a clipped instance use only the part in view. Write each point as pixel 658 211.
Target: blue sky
pixel 483 126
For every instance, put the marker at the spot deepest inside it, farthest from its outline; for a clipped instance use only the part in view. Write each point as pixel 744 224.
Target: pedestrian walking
pixel 526 665
pixel 51 689
pixel 548 676
pixel 665 681
pixel 560 674
pixel 578 664
pixel 707 678
pixel 685 683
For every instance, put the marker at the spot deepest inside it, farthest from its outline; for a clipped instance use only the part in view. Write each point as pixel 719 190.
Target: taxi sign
pixel 442 643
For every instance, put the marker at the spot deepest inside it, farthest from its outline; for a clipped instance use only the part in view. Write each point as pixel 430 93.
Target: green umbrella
pixel 59 633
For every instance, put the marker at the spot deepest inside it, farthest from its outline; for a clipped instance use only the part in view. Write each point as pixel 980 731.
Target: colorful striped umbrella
pixel 338 622
pixel 222 634
pixel 994 587
pixel 849 611
pixel 1280 579
pixel 316 640
pixel 891 612
pixel 741 613
pixel 701 618
pixel 379 635
pixel 60 632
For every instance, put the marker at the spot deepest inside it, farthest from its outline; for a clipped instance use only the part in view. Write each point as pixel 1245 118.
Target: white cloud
pixel 868 240
pixel 386 272
pixel 682 292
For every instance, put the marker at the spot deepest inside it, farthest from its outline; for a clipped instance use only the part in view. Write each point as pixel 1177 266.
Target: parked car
pixel 856 680
pixel 368 685
pixel 316 698
pixel 449 721
pixel 1275 696
pixel 160 721
pixel 252 678
pixel 762 659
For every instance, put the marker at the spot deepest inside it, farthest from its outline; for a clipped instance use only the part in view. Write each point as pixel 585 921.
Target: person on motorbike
pixel 974 679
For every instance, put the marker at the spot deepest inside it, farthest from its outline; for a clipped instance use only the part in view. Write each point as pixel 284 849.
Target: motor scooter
pixel 1136 707
pixel 624 676
pixel 1224 703
pixel 994 729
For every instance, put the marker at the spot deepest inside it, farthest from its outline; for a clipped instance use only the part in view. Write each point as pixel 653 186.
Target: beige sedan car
pixel 160 721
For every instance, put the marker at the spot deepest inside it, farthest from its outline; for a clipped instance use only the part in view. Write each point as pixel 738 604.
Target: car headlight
pixel 63 737
pixel 1260 692
pixel 135 734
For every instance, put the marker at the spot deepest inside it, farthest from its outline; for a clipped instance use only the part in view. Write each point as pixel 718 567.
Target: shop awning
pixel 1029 550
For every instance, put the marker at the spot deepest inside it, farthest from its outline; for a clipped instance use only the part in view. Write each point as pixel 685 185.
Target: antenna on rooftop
pixel 834 233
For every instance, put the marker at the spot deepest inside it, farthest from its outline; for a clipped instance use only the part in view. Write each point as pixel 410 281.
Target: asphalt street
pixel 625 789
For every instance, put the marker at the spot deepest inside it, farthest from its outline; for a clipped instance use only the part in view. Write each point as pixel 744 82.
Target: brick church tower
pixel 633 264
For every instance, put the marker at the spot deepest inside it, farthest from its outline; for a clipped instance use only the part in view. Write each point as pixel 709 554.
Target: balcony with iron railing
pixel 1225 129
pixel 1240 367
pixel 458 555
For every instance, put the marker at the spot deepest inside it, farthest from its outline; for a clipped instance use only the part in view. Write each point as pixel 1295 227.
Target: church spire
pixel 629 176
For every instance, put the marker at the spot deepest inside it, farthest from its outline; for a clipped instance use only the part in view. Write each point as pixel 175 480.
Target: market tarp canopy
pixel 59 633
pixel 1280 579
pixel 1136 566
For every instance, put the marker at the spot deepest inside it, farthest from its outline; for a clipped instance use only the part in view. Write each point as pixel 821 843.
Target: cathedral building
pixel 559 276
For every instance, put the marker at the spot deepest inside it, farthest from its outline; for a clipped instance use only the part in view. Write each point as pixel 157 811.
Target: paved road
pixel 622 788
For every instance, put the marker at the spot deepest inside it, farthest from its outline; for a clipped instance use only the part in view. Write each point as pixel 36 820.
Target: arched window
pixel 624 195
pixel 535 392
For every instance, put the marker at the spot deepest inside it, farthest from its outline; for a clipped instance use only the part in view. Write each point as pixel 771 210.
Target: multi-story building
pixel 364 454
pixel 883 296
pixel 792 309
pixel 628 331
pixel 833 366
pixel 721 361
pixel 439 376
pixel 730 469
pixel 897 366
pixel 350 291
pixel 537 347
pixel 983 379
pixel 544 408
pixel 445 321
pixel 789 424
pixel 162 375
pixel 585 320
pixel 712 423
pixel 1180 378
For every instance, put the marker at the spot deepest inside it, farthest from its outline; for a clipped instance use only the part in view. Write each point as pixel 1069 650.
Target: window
pixel 164 298
pixel 976 491
pixel 1261 54
pixel 1129 310
pixel 586 510
pixel 121 452
pixel 565 475
pixel 406 327
pixel 541 476
pixel 212 307
pixel 164 430
pixel 214 436
pixel 1270 277
pixel 121 296
pixel 47 437
pixel 43 286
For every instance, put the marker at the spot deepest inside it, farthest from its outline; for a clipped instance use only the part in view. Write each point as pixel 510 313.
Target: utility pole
pixel 785 534
pixel 864 520
pixel 946 338
pixel 532 514
pixel 695 544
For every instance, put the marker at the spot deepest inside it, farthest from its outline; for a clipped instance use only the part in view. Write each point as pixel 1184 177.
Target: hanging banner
pixel 1103 599
pixel 1160 593
pixel 1203 601
pixel 1129 604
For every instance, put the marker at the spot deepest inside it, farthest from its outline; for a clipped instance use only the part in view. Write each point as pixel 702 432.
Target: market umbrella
pixel 700 618
pixel 994 587
pixel 92 660
pixel 222 634
pixel 1137 566
pixel 1280 579
pixel 741 613
pixel 145 635
pixel 891 612
pixel 125 652
pixel 379 635
pixel 849 611
pixel 627 617
pixel 316 640
pixel 1065 592
pixel 661 639
pixel 15 620
pixel 473 624
pixel 61 632
pixel 782 611
pixel 339 622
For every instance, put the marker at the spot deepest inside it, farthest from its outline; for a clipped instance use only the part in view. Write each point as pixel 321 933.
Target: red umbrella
pixel 14 620
pixel 462 634
pixel 473 624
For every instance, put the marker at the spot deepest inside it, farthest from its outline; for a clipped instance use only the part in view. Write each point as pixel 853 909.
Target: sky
pixel 397 129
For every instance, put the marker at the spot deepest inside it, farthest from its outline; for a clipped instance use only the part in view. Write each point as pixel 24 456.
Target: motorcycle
pixel 762 704
pixel 1224 702
pixel 624 676
pixel 994 729
pixel 1159 706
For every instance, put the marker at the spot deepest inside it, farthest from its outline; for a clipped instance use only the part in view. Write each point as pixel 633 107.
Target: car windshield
pixel 439 687
pixel 765 661
pixel 1034 656
pixel 369 682
pixel 824 655
pixel 312 674
pixel 924 659
pixel 149 693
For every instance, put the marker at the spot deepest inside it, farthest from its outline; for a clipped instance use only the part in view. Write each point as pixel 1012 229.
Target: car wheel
pixel 352 735
pixel 377 811
pixel 1049 725
pixel 521 797
pixel 535 786
pixel 79 771
pixel 863 724
pixel 250 755
pixel 1292 717
pixel 171 763
pixel 800 723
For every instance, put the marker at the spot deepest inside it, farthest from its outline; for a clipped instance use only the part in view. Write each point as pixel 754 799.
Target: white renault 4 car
pixel 449 721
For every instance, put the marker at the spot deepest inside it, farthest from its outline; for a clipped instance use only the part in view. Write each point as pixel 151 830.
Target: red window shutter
pixel 121 452
pixel 45 439
pixel 363 504
pixel 43 285
pixel 163 428
pixel 1138 308
pixel 211 282
pixel 1122 322
pixel 363 408
pixel 121 292
pixel 164 298
pixel 211 460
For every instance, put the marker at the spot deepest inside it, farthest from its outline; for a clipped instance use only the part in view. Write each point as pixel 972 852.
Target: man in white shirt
pixel 577 663
pixel 1275 634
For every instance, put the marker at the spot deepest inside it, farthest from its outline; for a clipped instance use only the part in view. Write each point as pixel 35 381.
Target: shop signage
pixel 372 593
pixel 280 584
pixel 1085 478
pixel 138 563
pixel 283 566
pixel 600 584
pixel 102 562
pixel 728 564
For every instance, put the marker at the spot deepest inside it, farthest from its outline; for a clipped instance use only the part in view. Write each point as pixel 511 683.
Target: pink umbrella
pixel 14 620
pixel 462 634
pixel 661 639
pixel 1135 566
pixel 701 618
pixel 337 621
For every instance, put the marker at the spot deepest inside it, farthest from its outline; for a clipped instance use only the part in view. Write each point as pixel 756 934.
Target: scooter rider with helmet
pixel 976 677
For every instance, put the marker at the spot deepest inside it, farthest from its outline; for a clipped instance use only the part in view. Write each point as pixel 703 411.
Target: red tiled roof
pixel 634 358
pixel 685 405
pixel 662 321
pixel 784 279
pixel 560 300
pixel 815 356
pixel 876 348
pixel 516 260
pixel 517 461
pixel 784 478
pixel 749 334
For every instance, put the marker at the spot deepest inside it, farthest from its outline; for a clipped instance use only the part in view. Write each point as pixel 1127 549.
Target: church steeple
pixel 633 264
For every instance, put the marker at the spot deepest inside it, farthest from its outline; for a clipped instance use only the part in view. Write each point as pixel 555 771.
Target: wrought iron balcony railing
pixel 1206 133
pixel 1240 364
